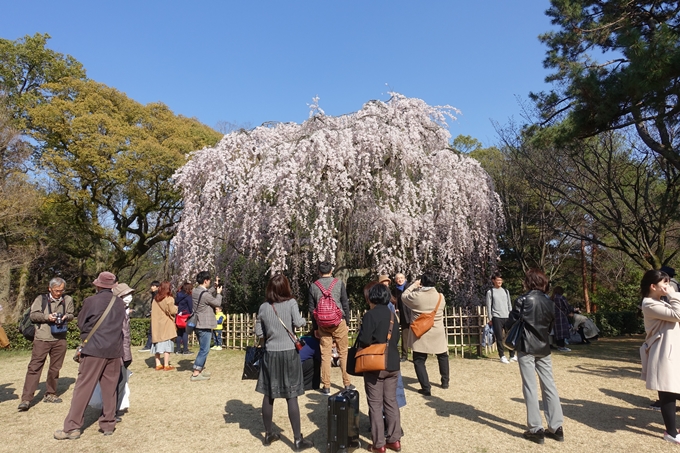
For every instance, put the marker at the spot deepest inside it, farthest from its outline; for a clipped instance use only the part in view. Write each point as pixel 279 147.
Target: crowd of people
pixel 404 317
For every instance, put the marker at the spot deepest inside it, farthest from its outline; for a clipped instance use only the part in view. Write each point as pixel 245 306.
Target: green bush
pixel 138 331
pixel 615 323
pixel 17 340
pixel 139 327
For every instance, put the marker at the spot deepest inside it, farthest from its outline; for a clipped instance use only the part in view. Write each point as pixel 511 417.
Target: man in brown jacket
pixel 100 358
pixel 45 311
pixel 422 297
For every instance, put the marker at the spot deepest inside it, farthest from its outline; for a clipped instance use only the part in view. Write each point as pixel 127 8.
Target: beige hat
pixel 105 280
pixel 122 289
pixel 383 278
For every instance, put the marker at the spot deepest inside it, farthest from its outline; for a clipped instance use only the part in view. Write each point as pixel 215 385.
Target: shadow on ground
pixel 249 418
pixel 611 418
pixel 445 408
pixel 7 393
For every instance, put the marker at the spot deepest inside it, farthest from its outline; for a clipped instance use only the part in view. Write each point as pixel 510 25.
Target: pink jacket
pixel 660 359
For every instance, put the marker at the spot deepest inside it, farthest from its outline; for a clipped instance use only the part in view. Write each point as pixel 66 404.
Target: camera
pixel 60 318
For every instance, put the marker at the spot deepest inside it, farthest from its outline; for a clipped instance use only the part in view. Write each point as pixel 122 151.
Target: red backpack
pixel 327 313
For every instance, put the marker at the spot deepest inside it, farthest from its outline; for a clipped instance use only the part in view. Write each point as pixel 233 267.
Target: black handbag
pixel 514 335
pixel 251 367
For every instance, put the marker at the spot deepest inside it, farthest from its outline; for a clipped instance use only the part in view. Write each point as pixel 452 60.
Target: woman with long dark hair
pixel 163 332
pixel 660 352
pixel 533 354
pixel 280 371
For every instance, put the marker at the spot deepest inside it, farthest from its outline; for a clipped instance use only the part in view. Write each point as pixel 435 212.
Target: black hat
pixel 668 270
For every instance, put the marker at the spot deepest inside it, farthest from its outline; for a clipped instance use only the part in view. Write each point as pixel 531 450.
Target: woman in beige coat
pixel 422 297
pixel 660 353
pixel 163 331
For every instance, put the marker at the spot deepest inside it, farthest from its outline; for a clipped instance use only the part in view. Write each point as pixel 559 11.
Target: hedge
pixel 138 334
pixel 615 323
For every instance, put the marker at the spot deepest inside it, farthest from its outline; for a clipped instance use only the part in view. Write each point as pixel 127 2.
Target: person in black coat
pixel 381 386
pixel 185 306
pixel 533 353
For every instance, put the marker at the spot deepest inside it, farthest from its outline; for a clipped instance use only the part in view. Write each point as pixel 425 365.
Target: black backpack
pixel 26 326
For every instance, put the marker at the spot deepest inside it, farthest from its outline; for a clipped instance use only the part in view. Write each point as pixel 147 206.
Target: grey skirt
pixel 281 375
pixel 163 346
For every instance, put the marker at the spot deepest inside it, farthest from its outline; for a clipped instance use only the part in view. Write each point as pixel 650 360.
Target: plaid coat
pixel 561 319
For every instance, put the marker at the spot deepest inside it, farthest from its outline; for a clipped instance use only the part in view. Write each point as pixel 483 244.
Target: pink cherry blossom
pixel 378 188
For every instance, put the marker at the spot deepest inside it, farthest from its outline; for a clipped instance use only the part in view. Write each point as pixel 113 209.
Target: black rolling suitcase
pixel 343 421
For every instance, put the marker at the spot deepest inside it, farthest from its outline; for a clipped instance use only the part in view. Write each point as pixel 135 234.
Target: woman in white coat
pixel 660 359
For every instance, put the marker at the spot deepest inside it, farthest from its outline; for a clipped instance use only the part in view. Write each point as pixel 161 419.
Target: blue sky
pixel 248 62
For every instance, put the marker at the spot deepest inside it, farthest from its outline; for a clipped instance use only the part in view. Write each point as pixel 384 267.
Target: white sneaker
pixel 668 438
pixel 504 360
pixel 513 358
pixel 563 349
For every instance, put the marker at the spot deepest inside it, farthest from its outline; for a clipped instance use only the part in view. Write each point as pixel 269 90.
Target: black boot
pixel 302 444
pixel 270 437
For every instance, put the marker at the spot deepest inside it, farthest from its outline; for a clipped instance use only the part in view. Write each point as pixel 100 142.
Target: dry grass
pixel 605 406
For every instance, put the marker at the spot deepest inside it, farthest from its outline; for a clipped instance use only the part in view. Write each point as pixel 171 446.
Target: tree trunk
pixel 5 280
pixel 584 275
pixel 593 272
pixel 21 293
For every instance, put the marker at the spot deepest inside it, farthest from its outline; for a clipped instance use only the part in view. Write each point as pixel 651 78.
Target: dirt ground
pixel 604 403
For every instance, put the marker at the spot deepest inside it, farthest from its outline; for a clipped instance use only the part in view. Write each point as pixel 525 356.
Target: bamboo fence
pixel 464 327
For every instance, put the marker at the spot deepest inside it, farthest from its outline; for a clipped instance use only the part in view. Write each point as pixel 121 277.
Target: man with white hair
pixel 50 313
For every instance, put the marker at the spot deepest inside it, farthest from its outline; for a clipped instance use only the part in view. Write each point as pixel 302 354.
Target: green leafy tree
pixel 26 66
pixel 109 161
pixel 634 82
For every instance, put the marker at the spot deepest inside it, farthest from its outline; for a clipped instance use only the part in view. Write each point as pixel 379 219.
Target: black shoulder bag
pixel 192 322
pixel 514 335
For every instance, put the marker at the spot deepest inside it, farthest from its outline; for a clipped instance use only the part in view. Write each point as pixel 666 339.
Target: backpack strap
pixel 45 302
pixel 328 290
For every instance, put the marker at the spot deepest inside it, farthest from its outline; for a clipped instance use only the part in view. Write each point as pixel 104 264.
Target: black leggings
pixel 667 404
pixel 293 415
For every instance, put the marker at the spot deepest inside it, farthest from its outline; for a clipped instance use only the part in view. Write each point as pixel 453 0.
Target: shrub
pixel 615 323
pixel 138 332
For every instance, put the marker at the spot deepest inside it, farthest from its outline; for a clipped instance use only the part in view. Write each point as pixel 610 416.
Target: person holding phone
pixel 660 359
pixel 204 306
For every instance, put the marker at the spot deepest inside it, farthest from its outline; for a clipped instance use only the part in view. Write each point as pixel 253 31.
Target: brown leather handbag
pixel 424 321
pixel 373 357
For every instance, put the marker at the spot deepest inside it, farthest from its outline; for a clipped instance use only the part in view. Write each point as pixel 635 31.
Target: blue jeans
pixel 217 336
pixel 203 336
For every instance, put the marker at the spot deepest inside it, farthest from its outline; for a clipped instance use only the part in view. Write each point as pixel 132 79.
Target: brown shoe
pixel 60 434
pixel 24 406
pixel 169 368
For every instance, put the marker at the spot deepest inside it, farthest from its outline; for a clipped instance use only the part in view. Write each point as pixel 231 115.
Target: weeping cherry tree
pixel 378 189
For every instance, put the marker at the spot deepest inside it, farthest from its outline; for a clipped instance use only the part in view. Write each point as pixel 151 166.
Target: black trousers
pixel 667 405
pixel 498 325
pixel 311 373
pixel 419 359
